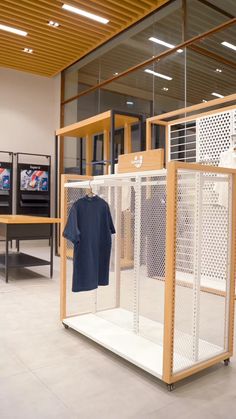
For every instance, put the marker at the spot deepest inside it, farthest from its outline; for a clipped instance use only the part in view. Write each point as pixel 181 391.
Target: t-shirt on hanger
pixel 89 228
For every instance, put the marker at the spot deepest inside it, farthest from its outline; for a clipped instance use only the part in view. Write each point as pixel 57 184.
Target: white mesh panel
pixel 200 326
pixel 213 136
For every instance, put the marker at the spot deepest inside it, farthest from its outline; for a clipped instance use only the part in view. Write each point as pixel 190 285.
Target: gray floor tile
pixel 48 372
pixel 25 397
pixel 10 364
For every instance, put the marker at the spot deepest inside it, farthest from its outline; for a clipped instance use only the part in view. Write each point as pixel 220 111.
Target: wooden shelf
pixel 25 219
pixel 95 125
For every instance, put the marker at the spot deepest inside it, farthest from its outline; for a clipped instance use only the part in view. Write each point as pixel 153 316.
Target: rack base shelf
pixel 102 328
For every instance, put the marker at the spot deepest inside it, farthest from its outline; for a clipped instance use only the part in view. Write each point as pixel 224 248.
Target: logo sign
pixel 137 162
pixel 35 167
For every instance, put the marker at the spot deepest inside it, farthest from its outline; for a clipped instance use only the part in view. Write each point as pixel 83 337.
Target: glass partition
pixel 138 73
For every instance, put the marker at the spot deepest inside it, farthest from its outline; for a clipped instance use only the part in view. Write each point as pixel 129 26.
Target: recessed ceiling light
pixel 115 74
pixel 218 70
pixel 53 24
pixel 217 95
pixel 204 100
pixel 229 45
pixel 13 30
pixel 165 89
pixel 129 102
pixel 84 13
pixel 154 73
pixel 165 44
pixel 28 50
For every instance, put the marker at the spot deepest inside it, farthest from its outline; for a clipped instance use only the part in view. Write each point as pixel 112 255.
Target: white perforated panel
pixel 234 121
pixel 213 137
pixel 202 261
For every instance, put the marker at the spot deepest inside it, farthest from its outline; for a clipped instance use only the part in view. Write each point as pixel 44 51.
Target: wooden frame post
pixel 169 308
pixel 89 155
pixel 106 148
pixel 148 135
pixel 63 252
pixel 127 138
pixel 232 267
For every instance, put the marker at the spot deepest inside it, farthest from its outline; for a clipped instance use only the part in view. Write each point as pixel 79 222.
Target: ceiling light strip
pixel 165 44
pixel 85 14
pixel 217 95
pixel 13 30
pixel 154 73
pixel 229 45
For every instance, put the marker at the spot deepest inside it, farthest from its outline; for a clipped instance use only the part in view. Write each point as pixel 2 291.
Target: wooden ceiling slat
pixel 37 45
pixel 47 5
pixel 41 27
pixel 115 8
pixel 55 41
pixel 28 64
pixel 60 17
pixel 141 3
pixel 55 49
pixel 39 56
pixel 106 10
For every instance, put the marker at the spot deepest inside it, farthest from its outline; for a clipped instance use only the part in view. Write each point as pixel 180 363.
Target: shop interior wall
pixel 29 114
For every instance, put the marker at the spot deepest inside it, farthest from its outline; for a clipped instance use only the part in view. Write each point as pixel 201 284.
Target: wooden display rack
pixel 120 342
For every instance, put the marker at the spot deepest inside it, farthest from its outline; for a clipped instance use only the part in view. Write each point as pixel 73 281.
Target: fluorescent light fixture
pixel 53 24
pixel 115 74
pixel 28 50
pixel 84 13
pixel 165 44
pixel 13 30
pixel 229 45
pixel 217 95
pixel 154 73
pixel 129 102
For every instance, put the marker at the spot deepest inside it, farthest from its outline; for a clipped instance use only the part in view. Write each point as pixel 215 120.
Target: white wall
pixel 29 112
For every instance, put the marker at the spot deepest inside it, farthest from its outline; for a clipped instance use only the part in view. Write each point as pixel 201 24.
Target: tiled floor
pixel 49 372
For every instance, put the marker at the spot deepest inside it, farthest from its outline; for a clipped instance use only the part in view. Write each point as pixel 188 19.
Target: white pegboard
pixel 214 136
pixel 202 255
pixel 234 122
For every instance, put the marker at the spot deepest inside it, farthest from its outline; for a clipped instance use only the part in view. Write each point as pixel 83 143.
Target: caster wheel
pixel 170 387
pixel 65 326
pixel 227 362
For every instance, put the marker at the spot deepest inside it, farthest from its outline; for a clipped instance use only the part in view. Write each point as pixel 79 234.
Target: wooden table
pixel 23 227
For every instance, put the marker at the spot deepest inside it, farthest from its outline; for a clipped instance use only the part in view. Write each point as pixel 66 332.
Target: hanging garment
pixel 228 160
pixel 89 228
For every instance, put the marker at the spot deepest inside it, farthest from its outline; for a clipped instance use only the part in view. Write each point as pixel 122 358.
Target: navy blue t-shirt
pixel 89 228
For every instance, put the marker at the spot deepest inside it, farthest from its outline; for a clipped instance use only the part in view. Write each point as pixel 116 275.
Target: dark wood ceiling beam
pixel 212 55
pixel 216 8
